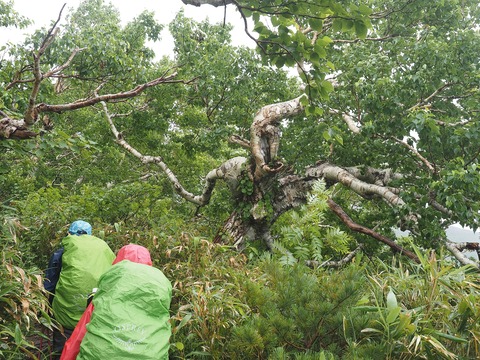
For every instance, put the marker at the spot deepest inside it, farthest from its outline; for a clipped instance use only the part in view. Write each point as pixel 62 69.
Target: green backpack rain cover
pixel 131 316
pixel 85 258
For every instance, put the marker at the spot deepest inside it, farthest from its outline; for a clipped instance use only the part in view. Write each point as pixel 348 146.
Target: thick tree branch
pixel 11 128
pixel 265 135
pixel 332 173
pixel 457 248
pixel 108 97
pixel 15 129
pixel 228 171
pixel 364 230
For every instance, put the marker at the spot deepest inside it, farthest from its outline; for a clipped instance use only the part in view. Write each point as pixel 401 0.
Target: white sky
pixel 42 12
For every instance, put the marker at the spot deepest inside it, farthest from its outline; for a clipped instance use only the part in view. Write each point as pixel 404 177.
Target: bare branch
pixel 229 170
pixel 215 3
pixel 459 123
pixel 457 248
pixel 109 97
pixel 416 153
pixel 366 39
pixel 364 230
pixel 235 139
pixel 55 72
pixel 426 102
pixel 59 69
pixel 51 33
pixel 31 113
pixel 335 264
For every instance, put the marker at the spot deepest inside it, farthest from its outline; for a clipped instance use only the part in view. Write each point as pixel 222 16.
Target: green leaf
pixel 179 346
pixel 364 300
pixel 339 139
pixel 347 25
pixel 450 337
pixel 393 314
pixel 183 322
pixel 310 110
pixel 364 9
pixel 330 65
pixel 326 135
pixel 280 61
pixel 320 50
pixel 316 24
pixel 337 24
pixel 361 29
pixel 18 335
pixel 304 100
pixel 324 41
pixel 327 85
pixel 391 299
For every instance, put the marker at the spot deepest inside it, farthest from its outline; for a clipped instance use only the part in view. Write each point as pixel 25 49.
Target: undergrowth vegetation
pixel 255 304
pixel 231 306
pixel 24 310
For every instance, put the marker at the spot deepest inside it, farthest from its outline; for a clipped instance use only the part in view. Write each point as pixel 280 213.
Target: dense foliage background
pixel 255 304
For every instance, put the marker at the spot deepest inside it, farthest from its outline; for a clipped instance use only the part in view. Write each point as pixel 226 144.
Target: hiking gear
pixel 52 273
pixel 84 260
pixel 134 253
pixel 80 227
pixel 128 317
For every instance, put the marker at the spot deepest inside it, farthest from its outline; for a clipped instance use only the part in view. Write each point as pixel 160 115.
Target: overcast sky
pixel 42 12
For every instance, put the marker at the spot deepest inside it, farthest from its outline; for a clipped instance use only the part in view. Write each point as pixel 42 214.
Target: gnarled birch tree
pixel 387 114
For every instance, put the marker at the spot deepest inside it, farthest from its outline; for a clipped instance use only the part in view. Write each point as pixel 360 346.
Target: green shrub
pixel 297 309
pixel 208 295
pixel 426 311
pixel 23 304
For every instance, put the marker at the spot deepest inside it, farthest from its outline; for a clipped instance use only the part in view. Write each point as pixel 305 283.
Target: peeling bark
pixel 332 173
pixel 15 129
pixel 457 248
pixel 265 135
pixel 235 231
